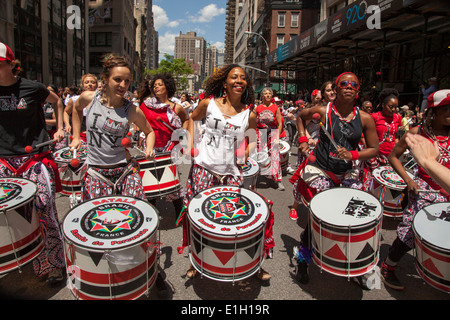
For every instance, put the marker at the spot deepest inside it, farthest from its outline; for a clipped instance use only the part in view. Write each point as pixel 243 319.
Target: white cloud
pixel 208 13
pixel 166 43
pixel 219 44
pixel 161 19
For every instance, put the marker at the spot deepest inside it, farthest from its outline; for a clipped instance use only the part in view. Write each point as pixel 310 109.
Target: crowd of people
pixel 365 134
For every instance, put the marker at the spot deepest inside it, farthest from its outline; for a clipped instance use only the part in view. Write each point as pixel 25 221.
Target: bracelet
pixel 302 139
pixel 355 155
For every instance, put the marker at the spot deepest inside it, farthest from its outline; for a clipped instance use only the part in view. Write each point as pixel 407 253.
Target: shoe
pixel 293 214
pixel 301 272
pixel 161 287
pixel 263 275
pixel 290 170
pixel 280 186
pixel 55 276
pixel 389 278
pixel 191 272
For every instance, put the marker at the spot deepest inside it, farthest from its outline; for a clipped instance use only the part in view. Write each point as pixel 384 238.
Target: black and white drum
pixel 227 232
pixel 388 186
pixel 111 247
pixel 431 227
pixel 346 231
pixel 250 171
pixel 284 154
pixel 21 238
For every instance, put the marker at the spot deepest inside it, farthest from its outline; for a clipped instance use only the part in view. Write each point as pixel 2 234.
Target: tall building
pixel 229 31
pixel 211 58
pixel 51 47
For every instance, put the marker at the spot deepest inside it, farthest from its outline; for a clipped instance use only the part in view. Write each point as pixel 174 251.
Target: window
pixel 280 40
pixel 281 19
pixel 100 39
pixel 294 20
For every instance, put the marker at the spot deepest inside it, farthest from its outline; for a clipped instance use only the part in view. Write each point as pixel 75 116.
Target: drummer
pixel 421 191
pixel 20 97
pixel 229 116
pixel 270 119
pixel 332 167
pixel 387 122
pixel 108 117
pixel 165 117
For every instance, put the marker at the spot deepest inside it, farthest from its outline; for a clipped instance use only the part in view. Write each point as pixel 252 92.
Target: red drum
pixel 21 238
pixel 388 186
pixel 346 231
pixel 227 232
pixel 250 171
pixel 70 176
pixel 431 227
pixel 284 154
pixel 111 248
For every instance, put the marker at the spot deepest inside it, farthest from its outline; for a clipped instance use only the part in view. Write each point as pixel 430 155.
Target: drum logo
pixel 359 208
pixel 228 208
pixel 9 191
pixel 392 177
pixel 112 221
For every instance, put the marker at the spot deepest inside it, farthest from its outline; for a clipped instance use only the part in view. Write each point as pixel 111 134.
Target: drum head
pixel 251 168
pixel 228 210
pixel 15 191
pixel 387 176
pixel 110 223
pixel 284 147
pixel 64 155
pixel 432 224
pixel 345 207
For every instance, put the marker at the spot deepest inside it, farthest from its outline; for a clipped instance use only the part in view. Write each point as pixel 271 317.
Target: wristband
pixel 302 139
pixel 355 155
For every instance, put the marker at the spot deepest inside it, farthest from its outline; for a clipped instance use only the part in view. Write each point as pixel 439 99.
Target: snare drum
pixel 70 176
pixel 250 171
pixel 346 231
pixel 227 232
pixel 21 238
pixel 263 160
pixel 111 248
pixel 284 154
pixel 431 227
pixel 160 176
pixel 388 186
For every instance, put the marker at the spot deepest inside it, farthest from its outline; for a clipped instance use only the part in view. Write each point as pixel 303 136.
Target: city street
pixel 282 286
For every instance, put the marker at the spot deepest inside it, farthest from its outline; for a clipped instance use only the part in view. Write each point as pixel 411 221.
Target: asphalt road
pixel 281 287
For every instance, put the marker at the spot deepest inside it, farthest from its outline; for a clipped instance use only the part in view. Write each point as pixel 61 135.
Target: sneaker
pixel 55 276
pixel 389 278
pixel 301 272
pixel 263 275
pixel 191 272
pixel 280 186
pixel 293 214
pixel 290 170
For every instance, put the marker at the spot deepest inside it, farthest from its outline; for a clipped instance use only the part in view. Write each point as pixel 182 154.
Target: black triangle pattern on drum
pixel 198 246
pixel 367 251
pixel 26 211
pixel 395 193
pixel 252 250
pixel 96 257
pixel 159 173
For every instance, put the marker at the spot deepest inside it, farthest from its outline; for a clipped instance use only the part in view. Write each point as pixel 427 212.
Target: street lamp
pixel 267 54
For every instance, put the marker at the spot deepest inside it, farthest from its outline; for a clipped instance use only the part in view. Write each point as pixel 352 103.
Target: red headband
pixel 339 76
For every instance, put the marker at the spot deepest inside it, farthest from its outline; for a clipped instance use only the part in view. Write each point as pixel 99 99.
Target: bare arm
pixel 82 102
pixel 56 101
pixel 138 117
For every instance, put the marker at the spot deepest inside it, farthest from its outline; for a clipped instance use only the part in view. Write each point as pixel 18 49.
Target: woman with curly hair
pixel 229 119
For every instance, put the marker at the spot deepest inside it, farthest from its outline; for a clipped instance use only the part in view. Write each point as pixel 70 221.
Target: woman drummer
pixel 422 190
pixel 229 119
pixel 332 166
pixel 165 117
pixel 108 117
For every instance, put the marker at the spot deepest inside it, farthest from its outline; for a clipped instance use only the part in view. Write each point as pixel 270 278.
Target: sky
pixel 205 17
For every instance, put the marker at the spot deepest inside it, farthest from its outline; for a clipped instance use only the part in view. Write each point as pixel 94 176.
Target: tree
pixel 178 68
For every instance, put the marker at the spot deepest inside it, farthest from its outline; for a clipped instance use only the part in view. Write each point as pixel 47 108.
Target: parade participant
pixel 269 118
pixel 419 192
pixel 331 166
pixel 164 116
pixel 427 92
pixel 387 123
pixel 50 118
pixel 108 117
pixel 328 93
pixel 185 102
pixel 228 114
pixel 367 106
pixel 22 124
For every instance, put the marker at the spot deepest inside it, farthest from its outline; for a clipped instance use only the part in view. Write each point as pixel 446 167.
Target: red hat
pixel 6 53
pixel 439 98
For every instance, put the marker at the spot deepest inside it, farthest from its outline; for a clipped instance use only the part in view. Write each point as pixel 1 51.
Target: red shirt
pixel 387 128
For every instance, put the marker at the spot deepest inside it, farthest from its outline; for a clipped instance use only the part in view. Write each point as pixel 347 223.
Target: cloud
pixel 161 19
pixel 208 13
pixel 166 43
pixel 219 44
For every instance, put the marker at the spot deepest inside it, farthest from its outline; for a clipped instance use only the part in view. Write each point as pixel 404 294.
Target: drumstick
pixel 75 162
pixel 29 149
pixel 126 142
pixel 316 118
pixel 163 122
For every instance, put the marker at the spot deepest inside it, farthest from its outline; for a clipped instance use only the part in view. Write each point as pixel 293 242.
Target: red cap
pixel 439 98
pixel 6 53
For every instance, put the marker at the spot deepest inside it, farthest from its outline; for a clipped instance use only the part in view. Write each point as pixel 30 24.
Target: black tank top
pixel 346 133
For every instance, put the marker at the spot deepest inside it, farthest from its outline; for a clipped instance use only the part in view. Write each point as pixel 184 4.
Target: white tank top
pixel 220 140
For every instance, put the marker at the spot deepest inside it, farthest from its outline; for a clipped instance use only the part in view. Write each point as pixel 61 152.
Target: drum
pixel 388 186
pixel 110 246
pixel 346 231
pixel 284 154
pixel 227 232
pixel 21 238
pixel 160 176
pixel 431 227
pixel 250 171
pixel 263 160
pixel 70 177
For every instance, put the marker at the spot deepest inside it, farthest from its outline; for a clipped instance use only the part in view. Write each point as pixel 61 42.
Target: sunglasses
pixel 344 84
